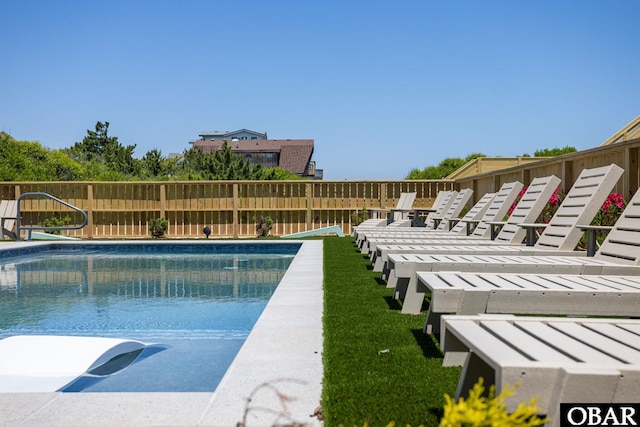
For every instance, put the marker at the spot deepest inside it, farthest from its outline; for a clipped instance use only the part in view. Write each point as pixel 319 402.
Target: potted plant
pixel 158 227
pixel 263 225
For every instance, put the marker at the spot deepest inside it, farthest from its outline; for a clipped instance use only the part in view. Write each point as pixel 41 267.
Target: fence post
pixel 629 157
pixel 309 190
pixel 236 203
pixel 90 210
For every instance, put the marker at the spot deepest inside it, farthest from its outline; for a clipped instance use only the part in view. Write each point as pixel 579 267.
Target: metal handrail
pixel 30 228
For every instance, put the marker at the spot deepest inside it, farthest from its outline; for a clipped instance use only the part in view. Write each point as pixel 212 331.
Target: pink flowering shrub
pixel 515 202
pixel 608 214
pixel 610 211
pixel 549 210
pixel 552 206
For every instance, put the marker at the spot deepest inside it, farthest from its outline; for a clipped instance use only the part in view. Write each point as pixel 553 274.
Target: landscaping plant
pixel 55 221
pixel 263 225
pixel 608 214
pixel 480 410
pixel 158 227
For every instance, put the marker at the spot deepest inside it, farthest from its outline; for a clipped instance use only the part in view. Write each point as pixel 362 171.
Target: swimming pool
pixel 197 302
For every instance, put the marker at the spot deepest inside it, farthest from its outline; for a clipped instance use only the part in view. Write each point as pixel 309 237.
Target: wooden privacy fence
pixel 228 208
pixel 567 168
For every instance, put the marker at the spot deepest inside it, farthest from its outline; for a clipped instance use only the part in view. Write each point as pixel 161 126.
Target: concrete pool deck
pixel 280 360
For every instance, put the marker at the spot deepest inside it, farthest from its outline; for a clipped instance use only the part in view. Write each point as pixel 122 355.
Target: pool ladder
pixel 30 228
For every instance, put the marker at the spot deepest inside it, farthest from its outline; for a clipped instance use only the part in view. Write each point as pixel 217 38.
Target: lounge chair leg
pixel 392 280
pixel 414 296
pixel 473 369
pixel 432 324
pixel 473 302
pixel 454 358
pixel 401 285
pixel 385 272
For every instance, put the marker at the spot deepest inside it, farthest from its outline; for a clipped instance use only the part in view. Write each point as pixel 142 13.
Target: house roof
pixel 627 133
pixel 295 154
pixel 226 133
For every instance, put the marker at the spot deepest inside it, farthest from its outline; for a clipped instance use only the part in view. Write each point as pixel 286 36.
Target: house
pixel 241 135
pixel 293 155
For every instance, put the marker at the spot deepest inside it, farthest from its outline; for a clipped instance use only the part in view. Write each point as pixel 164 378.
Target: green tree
pixel 224 164
pixel 553 152
pixel 153 164
pixel 191 166
pixel 66 169
pixel 30 161
pixel 101 157
pixel 442 170
pixel 106 151
pixel 273 174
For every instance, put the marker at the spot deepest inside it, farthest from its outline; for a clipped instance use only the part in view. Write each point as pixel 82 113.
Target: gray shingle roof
pixel 295 154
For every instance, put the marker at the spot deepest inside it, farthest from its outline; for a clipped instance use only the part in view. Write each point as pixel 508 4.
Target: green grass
pixel 362 381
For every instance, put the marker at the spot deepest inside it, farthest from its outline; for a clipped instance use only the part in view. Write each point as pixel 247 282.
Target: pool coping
pixel 275 379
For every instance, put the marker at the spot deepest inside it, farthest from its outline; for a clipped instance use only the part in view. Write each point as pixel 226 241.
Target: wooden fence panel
pixel 230 208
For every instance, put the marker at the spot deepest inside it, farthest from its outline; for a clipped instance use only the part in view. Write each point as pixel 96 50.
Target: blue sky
pixel 382 87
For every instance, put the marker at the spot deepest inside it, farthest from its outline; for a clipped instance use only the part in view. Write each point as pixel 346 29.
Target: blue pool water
pixel 196 303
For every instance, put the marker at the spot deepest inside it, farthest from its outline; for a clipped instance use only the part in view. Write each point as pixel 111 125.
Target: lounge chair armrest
pixel 471 225
pixel 377 212
pixel 595 227
pixel 420 213
pixel 436 221
pixel 531 231
pixel 533 225
pixel 452 222
pixel 592 244
pixel 496 226
pixel 424 210
pixel 5 218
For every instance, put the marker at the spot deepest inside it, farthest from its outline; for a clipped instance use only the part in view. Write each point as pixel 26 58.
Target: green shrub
pixel 358 217
pixel 263 225
pixel 55 222
pixel 158 227
pixel 479 410
pixel 608 214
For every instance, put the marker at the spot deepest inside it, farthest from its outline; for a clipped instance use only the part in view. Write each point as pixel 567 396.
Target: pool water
pixel 195 303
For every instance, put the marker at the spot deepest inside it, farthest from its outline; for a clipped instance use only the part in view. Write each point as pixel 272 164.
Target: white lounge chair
pixel 618 255
pixel 399 213
pixel 439 209
pixel 561 234
pixel 8 218
pixel 557 360
pixel 506 293
pixel 444 200
pixel 528 209
pixel 458 226
pixel 441 223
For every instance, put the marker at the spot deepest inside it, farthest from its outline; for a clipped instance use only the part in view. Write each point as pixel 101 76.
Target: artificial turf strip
pixel 378 365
